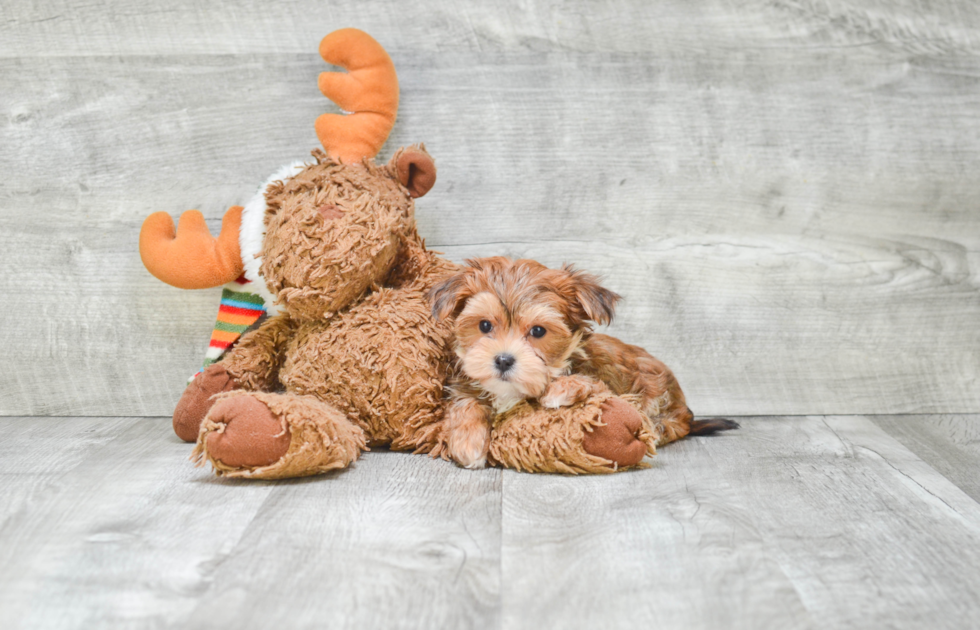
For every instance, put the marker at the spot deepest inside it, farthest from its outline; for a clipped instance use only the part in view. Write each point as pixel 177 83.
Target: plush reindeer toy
pixel 350 355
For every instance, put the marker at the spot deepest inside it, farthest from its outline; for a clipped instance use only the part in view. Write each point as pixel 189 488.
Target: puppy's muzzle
pixel 504 362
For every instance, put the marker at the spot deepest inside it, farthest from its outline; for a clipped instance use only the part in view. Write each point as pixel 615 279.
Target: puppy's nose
pixel 504 362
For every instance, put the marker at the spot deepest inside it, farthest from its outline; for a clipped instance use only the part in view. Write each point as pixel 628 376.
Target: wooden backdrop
pixel 786 192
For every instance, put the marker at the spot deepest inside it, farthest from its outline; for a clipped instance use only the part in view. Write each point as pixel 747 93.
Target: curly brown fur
pixel 333 230
pixel 351 273
pixel 257 357
pixel 498 308
pixel 629 369
pixel 320 437
pixel 523 332
pixel 531 439
pixel 356 357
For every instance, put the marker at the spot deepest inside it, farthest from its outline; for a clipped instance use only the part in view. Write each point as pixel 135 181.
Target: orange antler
pixel 191 258
pixel 369 90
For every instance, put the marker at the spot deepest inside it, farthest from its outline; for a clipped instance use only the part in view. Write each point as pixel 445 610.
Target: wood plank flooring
pixel 806 522
pixel 784 191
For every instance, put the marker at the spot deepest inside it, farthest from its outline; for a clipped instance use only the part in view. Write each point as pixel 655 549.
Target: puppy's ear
pixel 447 297
pixel 597 302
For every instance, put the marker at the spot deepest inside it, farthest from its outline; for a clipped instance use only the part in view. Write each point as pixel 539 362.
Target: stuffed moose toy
pixel 326 272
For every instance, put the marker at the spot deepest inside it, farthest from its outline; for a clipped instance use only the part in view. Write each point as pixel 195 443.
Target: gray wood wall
pixel 786 192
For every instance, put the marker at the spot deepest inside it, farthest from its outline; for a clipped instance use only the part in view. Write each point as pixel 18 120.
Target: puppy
pixel 524 331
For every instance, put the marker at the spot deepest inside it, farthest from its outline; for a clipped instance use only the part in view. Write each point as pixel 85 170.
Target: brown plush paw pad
pixel 196 400
pixel 618 440
pixel 252 436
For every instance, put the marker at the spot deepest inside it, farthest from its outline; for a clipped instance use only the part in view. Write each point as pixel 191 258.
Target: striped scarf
pixel 240 310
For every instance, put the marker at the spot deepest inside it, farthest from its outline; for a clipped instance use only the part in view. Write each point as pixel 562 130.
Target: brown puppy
pixel 523 331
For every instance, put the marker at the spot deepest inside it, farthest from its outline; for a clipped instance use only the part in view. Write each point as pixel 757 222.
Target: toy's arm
pixel 255 360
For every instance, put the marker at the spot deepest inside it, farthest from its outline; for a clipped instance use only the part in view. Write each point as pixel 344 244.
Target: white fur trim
pixel 503 395
pixel 252 233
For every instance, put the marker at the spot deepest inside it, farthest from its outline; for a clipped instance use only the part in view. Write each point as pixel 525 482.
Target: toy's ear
pixel 415 169
pixel 597 302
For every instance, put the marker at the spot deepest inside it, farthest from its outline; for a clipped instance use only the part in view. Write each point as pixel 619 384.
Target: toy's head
pixel 518 323
pixel 334 228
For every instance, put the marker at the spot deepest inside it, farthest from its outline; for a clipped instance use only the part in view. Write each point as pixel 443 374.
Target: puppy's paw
pixel 467 436
pixel 469 448
pixel 477 464
pixel 566 391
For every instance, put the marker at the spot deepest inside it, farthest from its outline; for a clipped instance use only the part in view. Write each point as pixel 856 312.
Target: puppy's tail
pixel 712 425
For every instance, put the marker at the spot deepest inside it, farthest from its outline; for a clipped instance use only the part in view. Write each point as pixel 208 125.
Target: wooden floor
pixel 822 522
pixel 786 193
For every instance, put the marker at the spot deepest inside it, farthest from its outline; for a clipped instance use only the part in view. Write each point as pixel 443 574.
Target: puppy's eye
pixel 538 332
pixel 485 326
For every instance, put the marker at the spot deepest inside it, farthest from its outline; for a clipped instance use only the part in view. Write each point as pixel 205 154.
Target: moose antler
pixel 369 90
pixel 191 258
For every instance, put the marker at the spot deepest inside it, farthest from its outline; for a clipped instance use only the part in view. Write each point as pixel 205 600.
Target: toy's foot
pixel 196 401
pixel 261 435
pixel 252 435
pixel 618 440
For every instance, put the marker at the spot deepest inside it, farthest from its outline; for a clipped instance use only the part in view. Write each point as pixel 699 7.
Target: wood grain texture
pixel 400 541
pixel 106 524
pixel 787 523
pixel 869 534
pixel 803 522
pixel 669 547
pixel 53 28
pixel 126 532
pixel 950 444
pixel 785 192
